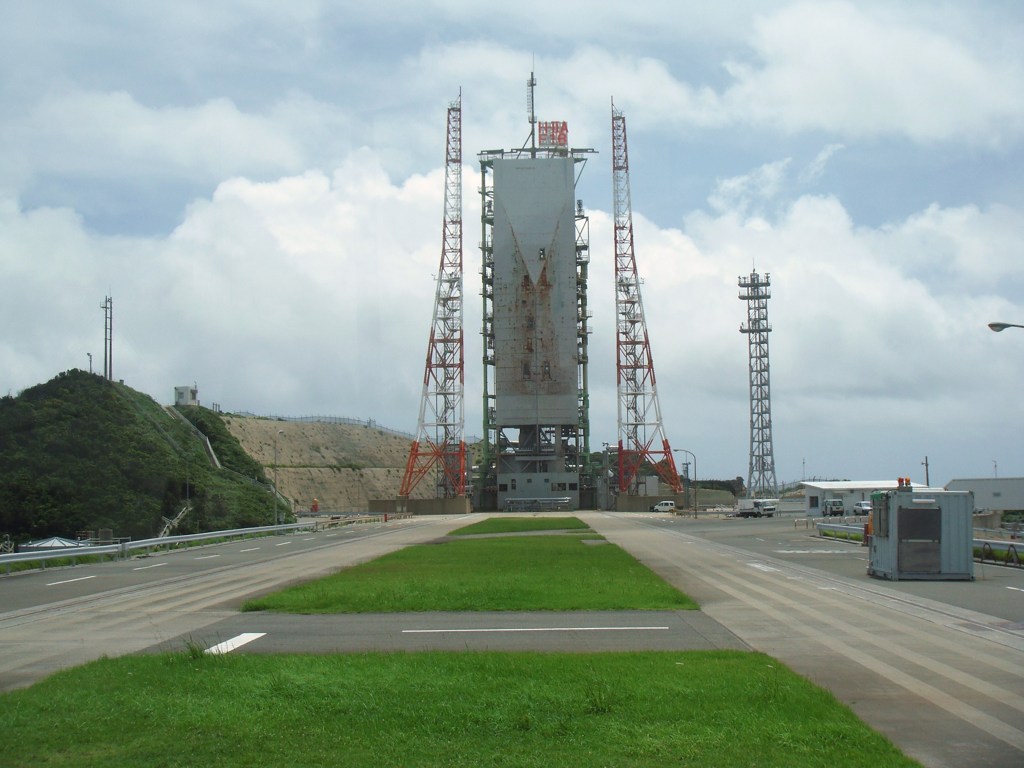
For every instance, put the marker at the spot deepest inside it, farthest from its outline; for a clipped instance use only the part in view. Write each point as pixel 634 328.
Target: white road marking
pixel 310 538
pixel 1016 589
pixel 817 552
pixel 147 567
pixel 283 544
pixel 531 629
pixel 763 567
pixel 252 549
pixel 207 557
pixel 235 642
pixel 68 581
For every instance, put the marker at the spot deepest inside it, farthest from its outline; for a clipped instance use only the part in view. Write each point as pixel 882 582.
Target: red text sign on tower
pixel 553 133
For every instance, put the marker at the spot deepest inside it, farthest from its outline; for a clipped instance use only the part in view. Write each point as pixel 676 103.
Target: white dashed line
pixel 283 544
pixel 147 567
pixel 83 578
pixel 252 549
pixel 207 557
pixel 531 629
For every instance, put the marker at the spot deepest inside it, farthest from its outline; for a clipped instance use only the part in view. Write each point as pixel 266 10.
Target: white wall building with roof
pixel 816 493
pixel 997 494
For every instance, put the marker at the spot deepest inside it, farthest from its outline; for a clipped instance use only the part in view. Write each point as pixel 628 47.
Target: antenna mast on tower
pixel 761 473
pixel 641 433
pixel 440 442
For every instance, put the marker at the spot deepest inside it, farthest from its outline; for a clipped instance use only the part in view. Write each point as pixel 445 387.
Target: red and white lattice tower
pixel 641 434
pixel 440 444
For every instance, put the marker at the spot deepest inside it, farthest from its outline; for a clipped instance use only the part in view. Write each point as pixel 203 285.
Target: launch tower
pixel 535 255
pixel 642 437
pixel 440 445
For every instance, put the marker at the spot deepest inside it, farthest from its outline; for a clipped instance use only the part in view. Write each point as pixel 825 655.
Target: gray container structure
pixel 535 253
pixel 921 535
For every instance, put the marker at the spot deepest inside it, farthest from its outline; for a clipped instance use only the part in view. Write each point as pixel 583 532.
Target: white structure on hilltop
pixel 186 395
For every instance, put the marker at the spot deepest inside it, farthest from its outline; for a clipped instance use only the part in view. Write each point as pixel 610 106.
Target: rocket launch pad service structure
pixel 535 256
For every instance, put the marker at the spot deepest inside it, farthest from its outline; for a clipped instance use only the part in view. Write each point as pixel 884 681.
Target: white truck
pixel 756 508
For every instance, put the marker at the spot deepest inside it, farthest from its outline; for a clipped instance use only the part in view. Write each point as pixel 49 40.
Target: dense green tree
pixel 80 453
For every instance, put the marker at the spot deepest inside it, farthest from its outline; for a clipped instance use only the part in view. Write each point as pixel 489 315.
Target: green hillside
pixel 80 453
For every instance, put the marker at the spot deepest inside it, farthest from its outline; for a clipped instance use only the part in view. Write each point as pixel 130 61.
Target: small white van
pixel 664 506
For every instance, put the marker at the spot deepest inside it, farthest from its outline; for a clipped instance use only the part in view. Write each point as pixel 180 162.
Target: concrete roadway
pixel 918 661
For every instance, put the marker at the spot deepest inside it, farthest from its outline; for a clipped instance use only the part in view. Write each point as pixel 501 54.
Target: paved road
pixel 64 617
pixel 943 681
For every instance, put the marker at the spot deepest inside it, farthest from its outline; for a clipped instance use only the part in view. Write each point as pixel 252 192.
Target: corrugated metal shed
pixel 994 493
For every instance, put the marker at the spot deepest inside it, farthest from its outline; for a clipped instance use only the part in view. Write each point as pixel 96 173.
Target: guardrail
pixel 124 549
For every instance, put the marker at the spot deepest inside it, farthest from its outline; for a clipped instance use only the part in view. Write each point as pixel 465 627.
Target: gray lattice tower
pixel 761 473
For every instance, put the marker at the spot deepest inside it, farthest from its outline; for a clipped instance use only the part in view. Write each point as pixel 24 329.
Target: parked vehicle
pixel 756 508
pixel 833 508
pixel 862 508
pixel 664 506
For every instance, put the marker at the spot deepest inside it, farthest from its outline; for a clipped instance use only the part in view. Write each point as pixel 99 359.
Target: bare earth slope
pixel 341 465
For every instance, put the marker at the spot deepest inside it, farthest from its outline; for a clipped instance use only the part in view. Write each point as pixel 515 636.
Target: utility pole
pixel 927 481
pixel 108 338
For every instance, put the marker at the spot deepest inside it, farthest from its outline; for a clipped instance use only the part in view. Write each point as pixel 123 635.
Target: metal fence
pixel 126 548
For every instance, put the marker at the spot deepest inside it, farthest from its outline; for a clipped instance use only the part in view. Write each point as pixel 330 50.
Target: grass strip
pixel 708 708
pixel 521 525
pixel 556 573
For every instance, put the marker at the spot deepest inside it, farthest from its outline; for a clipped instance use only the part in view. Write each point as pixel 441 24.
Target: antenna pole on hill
pixel 108 339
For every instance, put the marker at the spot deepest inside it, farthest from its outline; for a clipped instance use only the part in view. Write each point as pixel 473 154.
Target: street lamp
pixel 997 327
pixel 693 480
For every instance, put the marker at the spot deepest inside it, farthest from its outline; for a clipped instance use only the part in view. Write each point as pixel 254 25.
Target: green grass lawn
pixel 522 525
pixel 701 709
pixel 536 573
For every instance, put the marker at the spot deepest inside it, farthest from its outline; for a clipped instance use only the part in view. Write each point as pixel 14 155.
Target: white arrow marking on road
pixel 235 642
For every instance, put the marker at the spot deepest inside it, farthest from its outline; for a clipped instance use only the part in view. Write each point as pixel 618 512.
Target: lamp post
pixel 997 327
pixel 693 480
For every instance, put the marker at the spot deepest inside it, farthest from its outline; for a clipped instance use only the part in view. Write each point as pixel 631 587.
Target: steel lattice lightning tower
pixel 641 433
pixel 761 473
pixel 440 442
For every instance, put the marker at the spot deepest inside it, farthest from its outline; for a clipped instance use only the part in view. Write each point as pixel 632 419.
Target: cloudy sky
pixel 258 185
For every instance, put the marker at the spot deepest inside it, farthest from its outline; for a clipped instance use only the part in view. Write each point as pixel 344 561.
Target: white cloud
pixel 740 193
pixel 833 66
pixel 298 166
pixel 816 168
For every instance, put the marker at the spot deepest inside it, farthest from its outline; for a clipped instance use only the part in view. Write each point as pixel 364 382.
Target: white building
pixel 999 494
pixel 186 395
pixel 850 491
